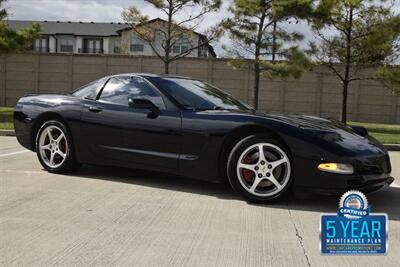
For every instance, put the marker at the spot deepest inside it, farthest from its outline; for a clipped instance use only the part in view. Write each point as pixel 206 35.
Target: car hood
pixel 305 121
pixel 332 138
pixel 333 134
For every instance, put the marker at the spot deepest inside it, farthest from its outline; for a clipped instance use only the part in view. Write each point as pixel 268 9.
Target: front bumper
pixel 372 173
pixel 340 184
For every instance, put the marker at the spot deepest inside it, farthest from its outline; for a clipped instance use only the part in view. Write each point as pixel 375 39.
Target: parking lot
pixel 113 216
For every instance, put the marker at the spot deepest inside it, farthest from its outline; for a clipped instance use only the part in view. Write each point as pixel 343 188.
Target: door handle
pixel 94 109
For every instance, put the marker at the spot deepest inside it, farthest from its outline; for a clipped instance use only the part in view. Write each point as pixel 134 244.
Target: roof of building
pixel 74 28
pixel 128 27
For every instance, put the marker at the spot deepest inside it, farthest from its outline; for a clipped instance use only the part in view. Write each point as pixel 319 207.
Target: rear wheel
pixel 259 168
pixel 54 147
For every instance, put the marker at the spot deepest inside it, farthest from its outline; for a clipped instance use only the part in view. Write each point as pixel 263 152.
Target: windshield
pixel 197 95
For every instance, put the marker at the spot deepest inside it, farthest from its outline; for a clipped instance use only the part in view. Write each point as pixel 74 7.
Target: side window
pixel 137 45
pixel 90 90
pixel 119 89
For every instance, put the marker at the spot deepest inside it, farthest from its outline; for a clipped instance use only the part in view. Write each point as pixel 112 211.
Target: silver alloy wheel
pixel 53 146
pixel 270 169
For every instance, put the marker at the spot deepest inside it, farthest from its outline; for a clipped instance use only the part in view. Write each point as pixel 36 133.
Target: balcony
pixel 91 50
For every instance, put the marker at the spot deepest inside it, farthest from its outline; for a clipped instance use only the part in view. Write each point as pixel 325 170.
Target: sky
pixel 110 11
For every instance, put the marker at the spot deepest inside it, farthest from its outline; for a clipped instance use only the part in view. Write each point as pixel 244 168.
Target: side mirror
pixel 143 103
pixel 362 131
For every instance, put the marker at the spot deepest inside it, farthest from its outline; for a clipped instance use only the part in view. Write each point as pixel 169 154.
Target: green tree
pixel 259 40
pixel 12 40
pixel 172 30
pixel 356 35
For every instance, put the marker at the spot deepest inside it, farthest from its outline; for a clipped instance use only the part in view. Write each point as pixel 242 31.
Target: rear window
pixel 90 90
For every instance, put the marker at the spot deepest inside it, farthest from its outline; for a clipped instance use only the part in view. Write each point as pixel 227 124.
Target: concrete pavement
pixel 114 216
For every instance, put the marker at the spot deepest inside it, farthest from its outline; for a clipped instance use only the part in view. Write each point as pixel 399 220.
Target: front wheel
pixel 54 147
pixel 259 168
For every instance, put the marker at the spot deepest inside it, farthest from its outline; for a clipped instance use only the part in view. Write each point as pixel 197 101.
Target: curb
pixel 7 133
pixel 390 147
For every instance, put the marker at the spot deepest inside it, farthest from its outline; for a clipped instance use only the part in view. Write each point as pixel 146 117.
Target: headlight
pixel 339 168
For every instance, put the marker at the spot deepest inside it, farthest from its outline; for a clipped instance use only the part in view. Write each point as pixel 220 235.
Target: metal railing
pixel 42 49
pixel 91 50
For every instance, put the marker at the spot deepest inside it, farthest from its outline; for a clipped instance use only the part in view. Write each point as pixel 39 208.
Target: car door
pixel 122 135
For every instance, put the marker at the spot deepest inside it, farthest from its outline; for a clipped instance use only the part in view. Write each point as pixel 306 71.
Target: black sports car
pixel 190 128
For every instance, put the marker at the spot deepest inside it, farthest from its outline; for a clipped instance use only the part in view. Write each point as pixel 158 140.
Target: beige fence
pixel 317 92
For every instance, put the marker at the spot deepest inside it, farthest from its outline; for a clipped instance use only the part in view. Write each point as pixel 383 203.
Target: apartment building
pixel 104 38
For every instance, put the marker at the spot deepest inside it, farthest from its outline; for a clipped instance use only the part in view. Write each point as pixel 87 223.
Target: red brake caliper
pixel 247 174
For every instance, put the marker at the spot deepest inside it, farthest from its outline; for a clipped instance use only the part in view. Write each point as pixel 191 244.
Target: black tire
pixel 66 164
pixel 239 183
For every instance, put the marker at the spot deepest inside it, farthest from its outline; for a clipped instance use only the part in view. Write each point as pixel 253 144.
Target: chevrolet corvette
pixel 190 128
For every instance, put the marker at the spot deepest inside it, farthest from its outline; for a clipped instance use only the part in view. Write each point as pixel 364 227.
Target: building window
pixel 181 47
pixel 160 36
pixel 41 44
pixel 137 45
pixel 117 46
pixel 66 45
pixel 203 51
pixel 92 46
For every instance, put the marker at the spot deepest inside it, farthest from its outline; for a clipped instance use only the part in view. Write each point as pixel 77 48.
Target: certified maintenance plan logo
pixel 353 230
